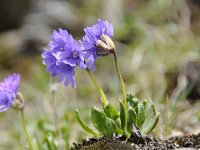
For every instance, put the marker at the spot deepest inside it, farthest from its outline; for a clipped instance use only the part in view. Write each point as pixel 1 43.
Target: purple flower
pixel 62 56
pixel 97 42
pixel 8 91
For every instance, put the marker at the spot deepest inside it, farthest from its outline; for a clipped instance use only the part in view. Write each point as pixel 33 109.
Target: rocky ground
pixel 138 142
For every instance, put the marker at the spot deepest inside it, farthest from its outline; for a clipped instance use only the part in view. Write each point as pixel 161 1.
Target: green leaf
pixel 50 142
pixel 132 100
pixel 83 125
pixel 151 120
pixel 131 119
pixel 103 124
pixel 122 116
pixel 36 145
pixel 141 115
pixel 111 112
pixel 145 104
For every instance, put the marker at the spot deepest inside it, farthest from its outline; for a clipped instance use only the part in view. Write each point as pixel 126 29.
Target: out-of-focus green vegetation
pixel 155 39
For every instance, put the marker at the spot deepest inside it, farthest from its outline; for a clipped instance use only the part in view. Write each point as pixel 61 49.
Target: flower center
pixel 75 54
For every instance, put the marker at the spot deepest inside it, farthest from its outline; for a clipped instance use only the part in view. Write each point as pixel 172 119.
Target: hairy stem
pixel 123 91
pixel 121 81
pixel 103 96
pixel 25 129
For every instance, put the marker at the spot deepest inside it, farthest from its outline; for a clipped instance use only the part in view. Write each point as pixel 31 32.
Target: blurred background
pixel 158 47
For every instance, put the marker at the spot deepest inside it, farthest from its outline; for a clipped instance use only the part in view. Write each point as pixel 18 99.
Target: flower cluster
pixel 62 56
pixel 64 53
pixel 8 91
pixel 97 41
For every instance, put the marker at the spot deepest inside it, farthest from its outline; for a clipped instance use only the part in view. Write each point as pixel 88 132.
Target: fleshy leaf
pixel 122 116
pixel 132 100
pixel 50 142
pixel 83 125
pixel 145 104
pixel 111 112
pixel 103 124
pixel 141 114
pixel 151 120
pixel 131 119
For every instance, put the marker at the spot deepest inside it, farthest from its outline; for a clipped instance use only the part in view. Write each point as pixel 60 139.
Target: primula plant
pixel 62 57
pixel 11 97
pixel 8 91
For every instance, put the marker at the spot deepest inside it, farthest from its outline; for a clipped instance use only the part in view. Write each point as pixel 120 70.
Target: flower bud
pixel 19 102
pixel 105 46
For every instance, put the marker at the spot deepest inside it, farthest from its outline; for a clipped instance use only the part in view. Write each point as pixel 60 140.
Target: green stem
pixel 121 81
pixel 124 94
pixel 103 96
pixel 25 130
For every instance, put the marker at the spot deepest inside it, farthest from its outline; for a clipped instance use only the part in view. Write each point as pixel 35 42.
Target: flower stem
pixel 25 129
pixel 103 96
pixel 121 81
